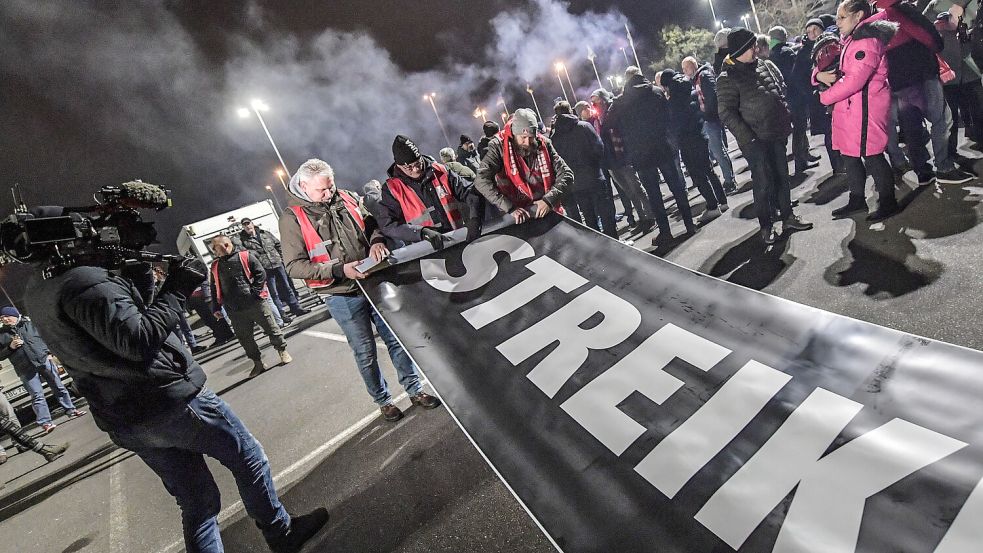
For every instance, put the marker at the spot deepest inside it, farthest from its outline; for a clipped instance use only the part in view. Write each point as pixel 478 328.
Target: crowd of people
pixel 863 78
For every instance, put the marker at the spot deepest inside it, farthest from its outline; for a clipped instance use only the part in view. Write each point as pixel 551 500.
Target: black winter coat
pixel 718 60
pixel 578 145
pixel 393 223
pixel 705 84
pixel 31 355
pixel 238 292
pixel 685 117
pixel 264 246
pixel 642 116
pixel 752 102
pixel 799 81
pixel 122 353
pixel 912 63
pixel 783 56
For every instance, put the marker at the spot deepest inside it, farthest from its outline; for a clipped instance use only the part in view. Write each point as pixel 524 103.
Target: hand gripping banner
pixel 634 405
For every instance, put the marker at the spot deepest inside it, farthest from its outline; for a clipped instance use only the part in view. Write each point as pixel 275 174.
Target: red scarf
pixel 519 174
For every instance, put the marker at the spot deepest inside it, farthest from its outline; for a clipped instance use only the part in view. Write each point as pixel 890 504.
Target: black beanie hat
pixel 740 40
pixel 817 22
pixel 490 128
pixel 404 150
pixel 828 19
pixel 465 139
pixel 666 77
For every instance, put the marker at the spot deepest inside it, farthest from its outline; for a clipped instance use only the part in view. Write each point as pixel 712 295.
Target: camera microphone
pixel 141 195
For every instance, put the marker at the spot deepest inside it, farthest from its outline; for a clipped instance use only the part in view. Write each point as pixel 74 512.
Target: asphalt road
pixel 419 485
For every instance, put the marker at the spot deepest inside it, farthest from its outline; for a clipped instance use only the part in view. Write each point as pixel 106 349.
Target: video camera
pixel 109 233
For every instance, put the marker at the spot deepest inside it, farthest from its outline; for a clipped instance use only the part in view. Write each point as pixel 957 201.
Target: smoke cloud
pixel 139 76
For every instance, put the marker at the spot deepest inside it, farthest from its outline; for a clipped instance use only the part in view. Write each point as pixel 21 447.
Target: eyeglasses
pixel 415 166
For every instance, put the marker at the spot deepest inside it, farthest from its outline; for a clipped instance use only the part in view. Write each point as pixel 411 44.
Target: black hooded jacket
pixel 643 119
pixel 122 353
pixel 685 117
pixel 752 102
pixel 578 145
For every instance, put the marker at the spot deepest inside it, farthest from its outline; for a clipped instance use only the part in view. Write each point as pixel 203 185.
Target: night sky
pixel 93 94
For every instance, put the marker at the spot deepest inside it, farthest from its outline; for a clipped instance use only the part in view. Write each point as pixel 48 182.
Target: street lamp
pixel 563 66
pixel 257 107
pixel 275 201
pixel 714 13
pixel 746 20
pixel 754 10
pixel 501 102
pixel 279 173
pixel 430 97
pixel 559 67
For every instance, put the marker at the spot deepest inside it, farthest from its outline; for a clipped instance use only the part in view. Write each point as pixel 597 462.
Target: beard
pixel 527 151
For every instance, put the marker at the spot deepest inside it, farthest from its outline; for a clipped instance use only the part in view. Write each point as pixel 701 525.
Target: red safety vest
pixel 317 249
pixel 244 259
pixel 415 212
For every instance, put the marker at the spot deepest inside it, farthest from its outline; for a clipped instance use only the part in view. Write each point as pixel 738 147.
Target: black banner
pixel 635 405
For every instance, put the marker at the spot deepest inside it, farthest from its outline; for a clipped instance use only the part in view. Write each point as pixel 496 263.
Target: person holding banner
pixel 423 199
pixel 521 172
pixel 325 234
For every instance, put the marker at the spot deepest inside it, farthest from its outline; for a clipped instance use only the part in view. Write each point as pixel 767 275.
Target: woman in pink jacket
pixel 861 100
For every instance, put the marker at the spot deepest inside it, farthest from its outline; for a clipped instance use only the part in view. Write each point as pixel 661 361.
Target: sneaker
pixel 708 216
pixel 76 414
pixel 723 207
pixel 955 176
pixel 258 368
pixel 49 427
pixel 769 235
pixel 285 357
pixel 198 349
pixel 390 412
pixel 425 400
pixel 813 158
pixel 926 179
pixel 662 239
pixel 729 188
pixel 883 212
pixel 794 223
pixel 855 205
pixel 301 312
pixel 3 458
pixel 803 167
pixel 302 529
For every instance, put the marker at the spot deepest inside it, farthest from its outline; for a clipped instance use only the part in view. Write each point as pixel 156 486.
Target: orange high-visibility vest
pixel 317 249
pixel 415 212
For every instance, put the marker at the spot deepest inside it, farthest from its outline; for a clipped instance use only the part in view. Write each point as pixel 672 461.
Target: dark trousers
pixel 280 290
pixel 800 139
pixel 625 201
pixel 244 321
pixel 965 100
pixel 587 204
pixel 876 166
pixel 835 160
pixel 221 330
pixel 696 155
pixel 770 179
pixel 651 181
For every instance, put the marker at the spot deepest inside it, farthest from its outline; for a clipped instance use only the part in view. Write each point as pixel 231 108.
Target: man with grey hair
pixel 449 157
pixel 521 172
pixel 325 234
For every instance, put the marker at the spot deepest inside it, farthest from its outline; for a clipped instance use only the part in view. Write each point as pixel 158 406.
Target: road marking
pixel 282 479
pixel 119 531
pixel 325 335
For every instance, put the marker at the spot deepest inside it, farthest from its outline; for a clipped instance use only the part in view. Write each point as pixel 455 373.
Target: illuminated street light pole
pixel 501 102
pixel 430 97
pixel 754 10
pixel 258 106
pixel 573 92
pixel 534 103
pixel 714 14
pixel 560 80
pixel 631 42
pixel 591 55
pixel 275 201
pixel 747 21
pixel 279 173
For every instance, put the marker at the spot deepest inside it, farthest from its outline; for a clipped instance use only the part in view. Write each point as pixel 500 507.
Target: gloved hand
pixel 474 229
pixel 182 280
pixel 435 238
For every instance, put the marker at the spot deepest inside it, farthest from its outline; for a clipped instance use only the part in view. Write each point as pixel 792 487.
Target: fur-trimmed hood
pixel 881 30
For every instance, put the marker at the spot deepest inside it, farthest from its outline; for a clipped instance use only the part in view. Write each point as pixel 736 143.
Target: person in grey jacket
pixel 32 361
pixel 267 249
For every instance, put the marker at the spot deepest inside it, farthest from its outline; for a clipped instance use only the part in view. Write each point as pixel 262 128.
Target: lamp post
pixel 631 42
pixel 279 173
pixel 591 55
pixel 562 66
pixel 714 14
pixel 275 201
pixel 430 97
pixel 534 103
pixel 501 102
pixel 746 20
pixel 757 21
pixel 258 106
pixel 625 54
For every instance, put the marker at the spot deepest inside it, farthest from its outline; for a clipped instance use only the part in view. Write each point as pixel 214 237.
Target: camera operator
pixel 148 393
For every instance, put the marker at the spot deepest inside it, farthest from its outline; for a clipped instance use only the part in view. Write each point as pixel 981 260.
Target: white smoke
pixel 137 73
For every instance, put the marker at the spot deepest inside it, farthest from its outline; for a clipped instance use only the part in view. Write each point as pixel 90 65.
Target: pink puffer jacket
pixel 861 98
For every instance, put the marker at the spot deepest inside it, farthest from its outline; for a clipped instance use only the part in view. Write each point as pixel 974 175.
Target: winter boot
pixel 258 368
pixel 856 204
pixel 302 529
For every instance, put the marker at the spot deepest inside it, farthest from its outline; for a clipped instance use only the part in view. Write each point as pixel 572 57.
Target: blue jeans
pixel 717 141
pixel 32 382
pixel 280 290
pixel 174 446
pixel 185 327
pixel 355 316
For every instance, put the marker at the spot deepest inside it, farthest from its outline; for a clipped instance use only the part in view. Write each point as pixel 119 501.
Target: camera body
pixel 107 234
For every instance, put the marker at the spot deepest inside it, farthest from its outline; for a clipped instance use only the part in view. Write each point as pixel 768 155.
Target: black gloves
pixel 474 229
pixel 435 238
pixel 182 280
